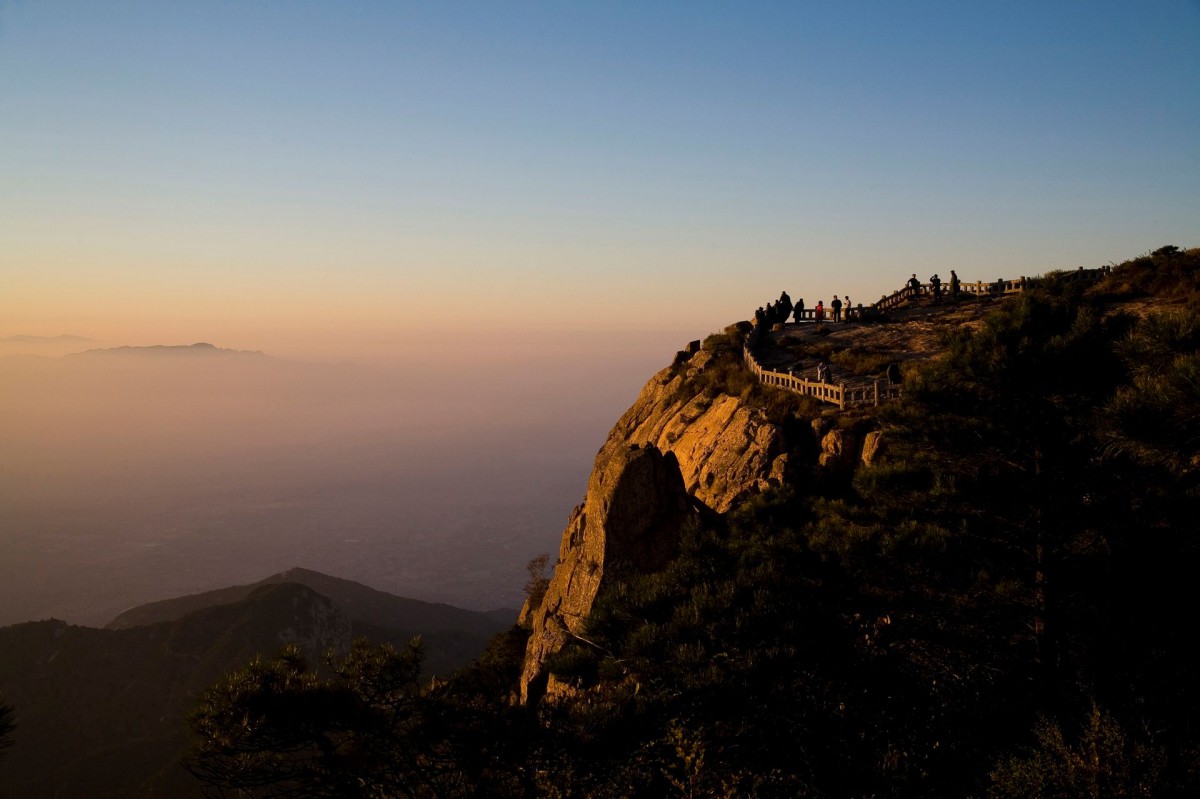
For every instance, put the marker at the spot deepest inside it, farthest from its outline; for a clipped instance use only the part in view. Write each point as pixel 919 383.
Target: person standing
pixel 836 305
pixel 819 311
pixel 785 306
pixel 799 310
pixel 953 285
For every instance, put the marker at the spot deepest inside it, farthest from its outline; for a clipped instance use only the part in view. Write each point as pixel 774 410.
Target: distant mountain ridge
pixel 201 348
pixel 358 602
pixel 102 712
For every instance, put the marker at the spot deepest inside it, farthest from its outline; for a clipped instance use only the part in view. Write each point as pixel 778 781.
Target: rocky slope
pixel 718 450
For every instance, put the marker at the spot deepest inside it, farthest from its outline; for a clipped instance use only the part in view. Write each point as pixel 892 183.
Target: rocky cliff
pixel 677 451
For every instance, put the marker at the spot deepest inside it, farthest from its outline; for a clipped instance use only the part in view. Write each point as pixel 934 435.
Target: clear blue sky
pixel 243 171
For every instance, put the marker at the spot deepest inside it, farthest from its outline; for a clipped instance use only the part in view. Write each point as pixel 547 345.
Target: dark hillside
pixel 1001 593
pixel 995 600
pixel 100 713
pixel 103 712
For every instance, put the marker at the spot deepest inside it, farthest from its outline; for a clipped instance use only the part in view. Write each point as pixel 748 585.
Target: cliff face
pixel 631 518
pixel 674 452
pixel 726 450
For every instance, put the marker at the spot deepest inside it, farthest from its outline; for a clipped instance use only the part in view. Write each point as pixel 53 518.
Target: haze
pixel 464 234
pixel 133 476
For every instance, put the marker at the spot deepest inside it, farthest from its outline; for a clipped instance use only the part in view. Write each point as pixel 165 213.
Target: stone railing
pixel 810 314
pixel 839 394
pixel 979 288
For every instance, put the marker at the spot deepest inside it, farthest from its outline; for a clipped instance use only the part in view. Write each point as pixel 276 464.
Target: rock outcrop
pixel 631 519
pixel 838 450
pixel 873 448
pixel 676 449
pixel 725 448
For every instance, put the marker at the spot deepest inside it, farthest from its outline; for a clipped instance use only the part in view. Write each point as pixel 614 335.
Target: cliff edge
pixel 680 450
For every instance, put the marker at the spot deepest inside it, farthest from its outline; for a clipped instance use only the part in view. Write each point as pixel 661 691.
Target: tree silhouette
pixel 8 723
pixel 277 728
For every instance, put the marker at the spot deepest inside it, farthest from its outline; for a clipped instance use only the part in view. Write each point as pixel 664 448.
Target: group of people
pixel 935 286
pixel 775 312
pixel 772 313
pixel 839 310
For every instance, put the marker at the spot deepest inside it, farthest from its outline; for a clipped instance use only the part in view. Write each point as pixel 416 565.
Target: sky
pixel 469 232
pixel 320 179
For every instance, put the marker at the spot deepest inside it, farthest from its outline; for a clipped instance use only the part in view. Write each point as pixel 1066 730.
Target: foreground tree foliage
pixel 1002 606
pixel 8 723
pixel 364 726
pixel 277 725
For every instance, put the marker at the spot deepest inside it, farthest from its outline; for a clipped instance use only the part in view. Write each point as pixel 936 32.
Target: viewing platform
pixel 900 327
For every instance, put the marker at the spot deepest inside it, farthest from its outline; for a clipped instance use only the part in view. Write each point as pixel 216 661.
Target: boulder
pixel 872 448
pixel 837 450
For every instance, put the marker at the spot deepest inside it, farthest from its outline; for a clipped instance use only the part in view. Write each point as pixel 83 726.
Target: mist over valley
pixel 129 475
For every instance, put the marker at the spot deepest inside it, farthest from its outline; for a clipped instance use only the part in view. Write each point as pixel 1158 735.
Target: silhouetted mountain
pixel 360 603
pixel 200 349
pixel 102 712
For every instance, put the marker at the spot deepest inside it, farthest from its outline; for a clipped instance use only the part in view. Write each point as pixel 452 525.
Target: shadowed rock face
pixel 635 508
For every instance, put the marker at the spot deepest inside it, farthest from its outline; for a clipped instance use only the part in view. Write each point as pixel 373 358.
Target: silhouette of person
pixel 785 306
pixel 836 305
pixel 913 283
pixel 799 310
pixel 819 311
pixel 953 285
pixel 935 283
